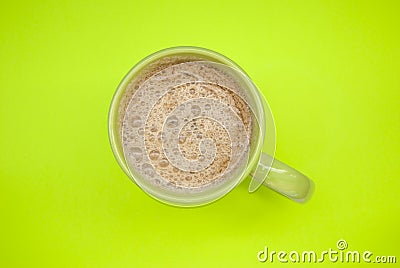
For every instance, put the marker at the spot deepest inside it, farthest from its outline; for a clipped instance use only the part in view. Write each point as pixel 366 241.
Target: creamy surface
pixel 185 126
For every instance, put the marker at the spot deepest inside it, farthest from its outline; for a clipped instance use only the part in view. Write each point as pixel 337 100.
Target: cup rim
pixel 113 114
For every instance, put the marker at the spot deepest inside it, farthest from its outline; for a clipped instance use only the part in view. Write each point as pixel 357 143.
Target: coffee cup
pixel 187 125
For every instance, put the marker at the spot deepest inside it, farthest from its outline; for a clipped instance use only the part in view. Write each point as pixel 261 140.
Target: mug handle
pixel 283 179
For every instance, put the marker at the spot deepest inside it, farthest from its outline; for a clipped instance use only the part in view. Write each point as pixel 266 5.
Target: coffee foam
pixel 187 127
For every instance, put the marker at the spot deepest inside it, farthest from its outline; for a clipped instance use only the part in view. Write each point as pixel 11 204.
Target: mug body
pixel 155 63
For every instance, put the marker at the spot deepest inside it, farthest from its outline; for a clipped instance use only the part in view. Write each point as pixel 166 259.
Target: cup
pixel 260 163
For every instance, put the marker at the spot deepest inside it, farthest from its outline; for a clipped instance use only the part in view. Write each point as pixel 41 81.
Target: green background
pixel 329 69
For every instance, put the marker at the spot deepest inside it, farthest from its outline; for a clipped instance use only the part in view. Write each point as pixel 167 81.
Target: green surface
pixel 329 69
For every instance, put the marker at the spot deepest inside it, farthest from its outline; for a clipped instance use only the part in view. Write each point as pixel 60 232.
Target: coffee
pixel 185 123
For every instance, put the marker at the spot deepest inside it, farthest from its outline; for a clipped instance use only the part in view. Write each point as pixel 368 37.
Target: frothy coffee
pixel 185 124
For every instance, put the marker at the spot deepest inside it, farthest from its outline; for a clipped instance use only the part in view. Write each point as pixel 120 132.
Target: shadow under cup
pixel 262 135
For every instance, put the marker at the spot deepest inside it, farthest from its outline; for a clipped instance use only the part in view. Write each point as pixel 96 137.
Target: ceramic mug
pixel 256 156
